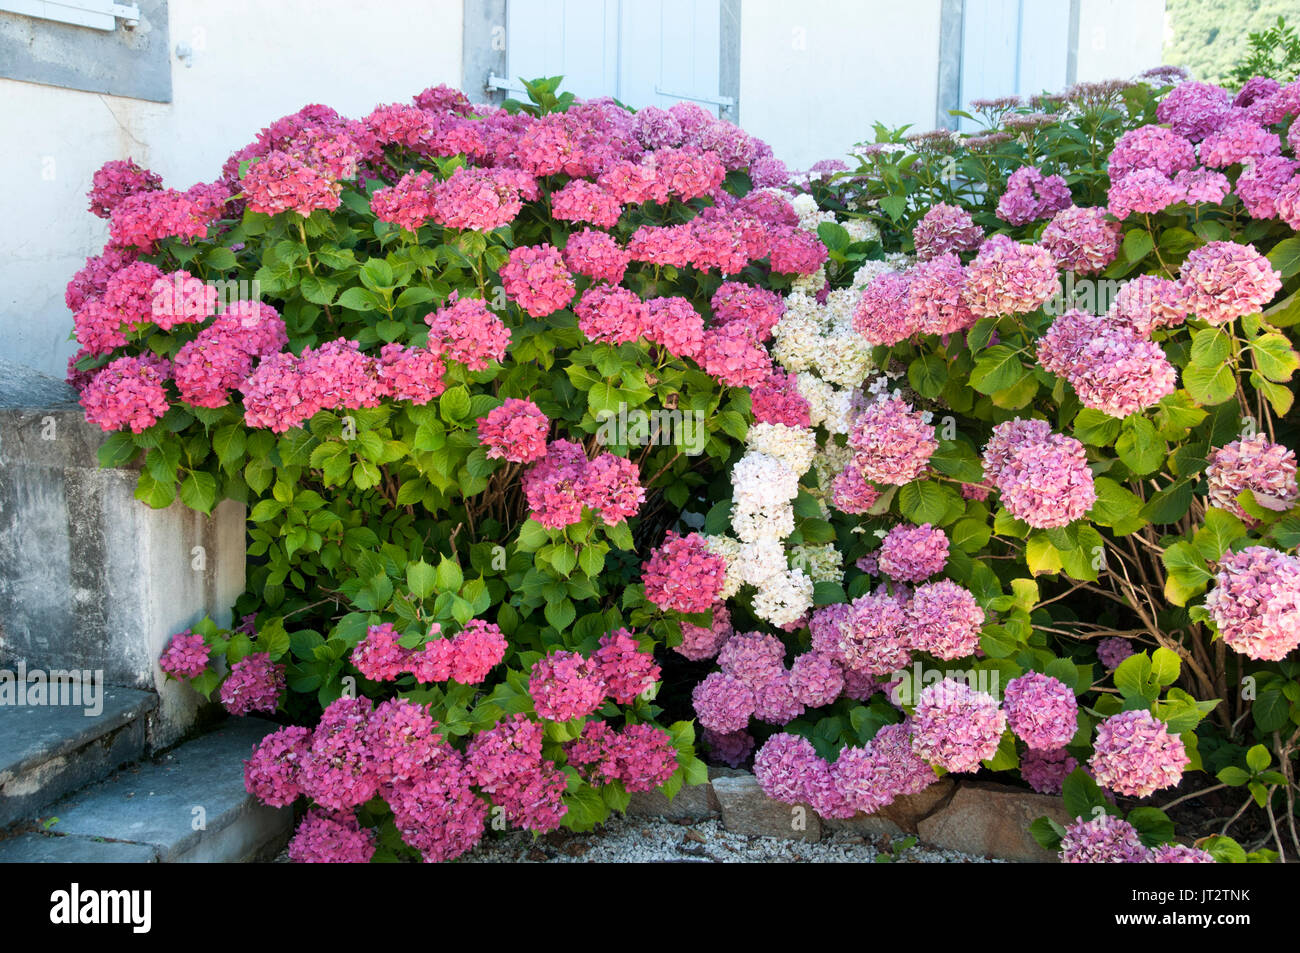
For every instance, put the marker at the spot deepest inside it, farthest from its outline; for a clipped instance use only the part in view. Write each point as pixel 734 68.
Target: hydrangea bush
pixel 1019 496
pixel 991 469
pixel 465 366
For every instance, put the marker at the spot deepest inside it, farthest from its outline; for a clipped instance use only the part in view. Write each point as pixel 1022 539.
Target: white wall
pixel 815 75
pixel 254 61
pixel 1120 38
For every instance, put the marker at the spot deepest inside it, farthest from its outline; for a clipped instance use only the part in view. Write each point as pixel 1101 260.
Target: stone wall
pixel 90 578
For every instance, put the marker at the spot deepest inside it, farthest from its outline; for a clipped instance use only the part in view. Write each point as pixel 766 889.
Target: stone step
pixel 188 806
pixel 47 751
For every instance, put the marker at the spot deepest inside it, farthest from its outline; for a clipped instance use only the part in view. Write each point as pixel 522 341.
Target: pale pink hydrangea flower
pixel 913 553
pixel 1103 840
pixel 1041 710
pixel 1255 463
pixel 1134 754
pixel 956 727
pixel 892 443
pixel 1224 280
pixel 1255 602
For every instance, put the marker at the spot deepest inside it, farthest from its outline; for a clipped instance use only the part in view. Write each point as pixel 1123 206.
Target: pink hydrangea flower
pixel 1082 240
pixel 1225 280
pixel 411 373
pixel 597 255
pixel 1007 277
pixel 271 774
pixel 777 401
pixel 624 668
pixel 1255 463
pixel 816 679
pixel 873 635
pixel 1044 478
pixel 340 770
pixel 944 620
pixel 1041 710
pixel 785 767
pixel 535 279
pixel 611 486
pixel 467 332
pixel 883 313
pixel 1112 651
pixel 723 703
pixel 515 431
pixel 913 553
pixel 1261 183
pixel 945 228
pixel 1255 602
pixel 730 749
pixel 683 574
pixel 1134 754
pixel 1195 109
pixel 701 642
pixel 851 493
pixel 1103 840
pixel 408 204
pixel 1030 195
pixel 1144 190
pixel 127 392
pixel 892 443
pixel 117 179
pixel 1046 771
pixel 475 650
pixel 734 356
pixel 611 314
pixel 956 727
pixel 1151 147
pixel 550 485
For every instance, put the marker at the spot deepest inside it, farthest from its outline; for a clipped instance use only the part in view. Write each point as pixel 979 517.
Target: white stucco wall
pixel 815 75
pixel 253 62
pixel 1120 38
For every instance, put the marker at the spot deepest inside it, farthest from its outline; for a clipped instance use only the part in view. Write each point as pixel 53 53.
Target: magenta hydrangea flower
pixel 1198 186
pixel 723 703
pixel 1151 147
pixel 1195 109
pixel 1238 141
pixel 597 255
pixel 623 667
pixel 325 837
pixel 379 656
pixel 339 770
pixel 1134 754
pixel 851 493
pixel 757 308
pixel 945 228
pixel 956 727
pixel 271 774
pixel 1082 240
pixel 872 776
pixel 535 279
pixel 565 685
pixel 611 314
pixel 872 636
pixel 117 179
pixel 1225 280
pixel 1046 771
pixel 1261 183
pixel 892 443
pixel 1144 190
pixel 550 485
pixel 400 739
pixel 944 620
pixel 506 762
pixel 186 656
pixel 475 650
pixel 1007 277
pixel 1103 840
pixel 435 810
pixel 254 684
pixel 1112 651
pixel 515 431
pixel 1041 710
pixel 913 553
pixel 1255 463
pixel 1030 195
pixel 127 392
pixel 467 332
pixel 1255 602
pixel 777 401
pixel 683 574
pixel 883 313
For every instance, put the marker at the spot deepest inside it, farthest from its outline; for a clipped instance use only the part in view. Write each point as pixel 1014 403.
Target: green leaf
pixel 199 491
pixel 1140 447
pixel 1274 357
pixel 1137 244
pixel 928 374
pixel 997 369
pixel 1285 257
pixel 449 577
pixel 1258 758
pixel 1209 386
pixel 1096 428
pixel 922 501
pixel 117 450
pixel 421 579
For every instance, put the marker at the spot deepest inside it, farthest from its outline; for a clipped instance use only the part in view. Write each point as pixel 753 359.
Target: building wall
pixel 252 63
pixel 815 75
pixel 1119 37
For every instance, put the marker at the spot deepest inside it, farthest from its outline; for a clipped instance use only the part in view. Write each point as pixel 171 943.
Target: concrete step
pixel 189 806
pixel 47 751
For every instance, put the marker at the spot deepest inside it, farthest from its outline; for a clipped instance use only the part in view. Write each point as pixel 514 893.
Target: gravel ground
pixel 654 840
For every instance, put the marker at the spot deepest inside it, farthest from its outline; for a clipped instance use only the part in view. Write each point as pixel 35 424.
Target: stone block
pixel 993 820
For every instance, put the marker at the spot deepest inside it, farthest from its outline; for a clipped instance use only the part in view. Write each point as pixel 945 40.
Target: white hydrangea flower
pixel 751 524
pixel 869 272
pixel 845 359
pixel 760 560
pixel 760 479
pixel 861 230
pixel 817 392
pixel 794 446
pixel 809 284
pixel 784 598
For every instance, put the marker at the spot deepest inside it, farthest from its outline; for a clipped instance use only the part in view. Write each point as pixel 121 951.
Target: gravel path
pixel 655 840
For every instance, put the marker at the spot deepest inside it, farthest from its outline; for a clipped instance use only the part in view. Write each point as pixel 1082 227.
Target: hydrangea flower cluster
pixel 561 483
pixel 1255 602
pixel 1110 366
pixel 1043 477
pixel 956 727
pixel 1105 839
pixel 1266 469
pixel 1031 195
pixel 1041 711
pixel 466 657
pixel 1134 754
pixel 255 683
pixel 913 553
pixel 186 655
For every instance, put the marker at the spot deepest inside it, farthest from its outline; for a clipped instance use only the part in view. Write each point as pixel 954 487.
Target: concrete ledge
pixel 188 807
pixel 91 578
pixel 47 751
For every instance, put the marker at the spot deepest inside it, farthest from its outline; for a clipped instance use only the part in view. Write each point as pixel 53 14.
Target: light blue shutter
pixel 1012 47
